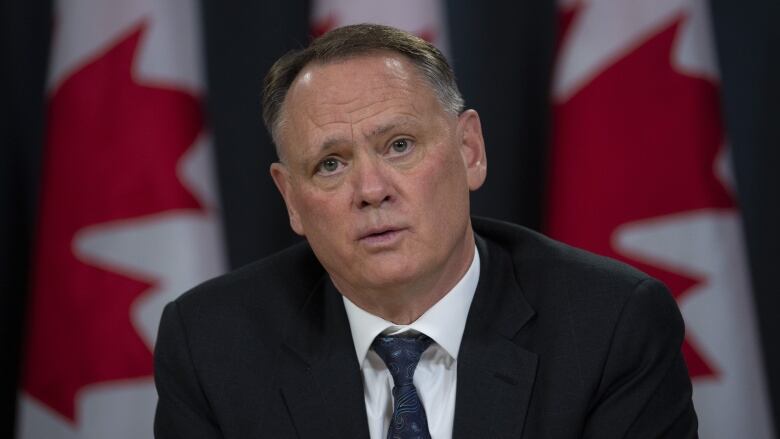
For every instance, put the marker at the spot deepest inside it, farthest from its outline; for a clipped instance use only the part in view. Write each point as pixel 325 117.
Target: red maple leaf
pixel 112 148
pixel 638 141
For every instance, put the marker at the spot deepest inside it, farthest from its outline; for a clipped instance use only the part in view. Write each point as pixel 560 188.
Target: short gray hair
pixel 350 41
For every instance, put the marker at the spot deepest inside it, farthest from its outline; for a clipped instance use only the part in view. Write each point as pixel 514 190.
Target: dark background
pixel 502 53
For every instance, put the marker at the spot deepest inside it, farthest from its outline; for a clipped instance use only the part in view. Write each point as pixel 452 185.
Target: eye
pixel 329 165
pixel 400 146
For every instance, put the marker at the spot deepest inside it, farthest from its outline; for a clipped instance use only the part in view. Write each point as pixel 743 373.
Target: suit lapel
pixel 318 372
pixel 321 383
pixel 495 375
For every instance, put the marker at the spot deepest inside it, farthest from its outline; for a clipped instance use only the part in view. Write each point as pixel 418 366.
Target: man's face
pixel 376 175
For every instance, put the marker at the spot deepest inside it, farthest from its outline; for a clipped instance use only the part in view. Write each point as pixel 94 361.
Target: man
pixel 400 316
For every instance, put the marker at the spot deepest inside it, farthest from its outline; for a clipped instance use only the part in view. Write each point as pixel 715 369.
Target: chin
pixel 387 278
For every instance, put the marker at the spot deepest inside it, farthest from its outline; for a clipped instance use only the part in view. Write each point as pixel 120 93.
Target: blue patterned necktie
pixel 401 353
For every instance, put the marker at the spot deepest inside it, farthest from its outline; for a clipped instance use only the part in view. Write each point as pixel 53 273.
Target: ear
pixel 281 175
pixel 472 148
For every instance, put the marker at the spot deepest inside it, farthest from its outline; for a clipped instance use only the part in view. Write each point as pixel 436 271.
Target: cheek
pixel 452 175
pixel 321 210
pixel 444 185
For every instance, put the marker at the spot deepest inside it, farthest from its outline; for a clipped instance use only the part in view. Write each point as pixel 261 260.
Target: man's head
pixel 349 42
pixel 377 162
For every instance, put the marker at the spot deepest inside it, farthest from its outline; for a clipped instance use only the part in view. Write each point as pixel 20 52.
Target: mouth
pixel 381 235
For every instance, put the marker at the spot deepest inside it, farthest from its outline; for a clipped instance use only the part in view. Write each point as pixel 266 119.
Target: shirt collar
pixel 444 322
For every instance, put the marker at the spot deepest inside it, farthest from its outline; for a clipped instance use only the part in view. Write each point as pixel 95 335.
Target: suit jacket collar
pixel 318 372
pixel 495 375
pixel 322 386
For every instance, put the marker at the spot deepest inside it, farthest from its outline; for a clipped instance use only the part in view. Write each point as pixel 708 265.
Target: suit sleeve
pixel 645 391
pixel 182 408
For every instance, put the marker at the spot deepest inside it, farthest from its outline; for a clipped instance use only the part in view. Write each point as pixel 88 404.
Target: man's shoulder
pixel 534 252
pixel 550 272
pixel 278 283
pixel 595 321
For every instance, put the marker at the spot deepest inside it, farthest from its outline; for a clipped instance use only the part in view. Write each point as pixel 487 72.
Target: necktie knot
pixel 401 353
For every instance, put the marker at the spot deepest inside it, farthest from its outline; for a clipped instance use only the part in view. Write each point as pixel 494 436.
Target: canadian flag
pixel 424 18
pixel 128 214
pixel 640 172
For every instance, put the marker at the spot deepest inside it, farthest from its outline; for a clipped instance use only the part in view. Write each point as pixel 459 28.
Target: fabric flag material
pixel 128 214
pixel 424 18
pixel 640 172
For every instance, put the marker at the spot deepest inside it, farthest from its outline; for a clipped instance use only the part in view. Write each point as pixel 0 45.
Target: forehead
pixel 356 90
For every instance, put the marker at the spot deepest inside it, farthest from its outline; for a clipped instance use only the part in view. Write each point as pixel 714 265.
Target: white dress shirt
pixel 436 374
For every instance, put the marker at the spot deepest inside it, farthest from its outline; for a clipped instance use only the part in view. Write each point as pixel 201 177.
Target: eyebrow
pixel 380 130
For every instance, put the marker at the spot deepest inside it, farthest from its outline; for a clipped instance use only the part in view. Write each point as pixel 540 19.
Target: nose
pixel 372 184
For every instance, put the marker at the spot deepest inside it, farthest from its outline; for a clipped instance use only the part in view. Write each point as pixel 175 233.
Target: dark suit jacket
pixel 559 343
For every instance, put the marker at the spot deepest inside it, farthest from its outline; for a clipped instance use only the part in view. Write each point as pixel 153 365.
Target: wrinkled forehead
pixel 352 90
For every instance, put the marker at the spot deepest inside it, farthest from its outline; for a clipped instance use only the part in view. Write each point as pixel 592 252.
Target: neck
pixel 404 303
